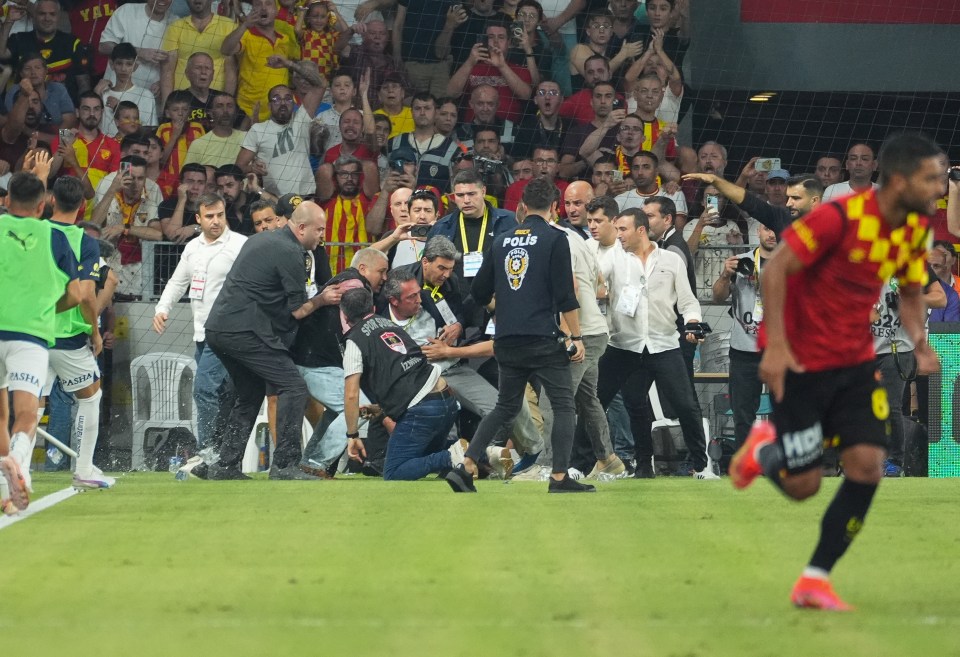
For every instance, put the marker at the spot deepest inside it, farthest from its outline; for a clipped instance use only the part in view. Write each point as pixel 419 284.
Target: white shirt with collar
pixel 661 283
pixel 586 271
pixel 211 261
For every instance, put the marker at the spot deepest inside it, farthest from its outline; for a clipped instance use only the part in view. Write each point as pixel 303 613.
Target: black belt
pixel 439 394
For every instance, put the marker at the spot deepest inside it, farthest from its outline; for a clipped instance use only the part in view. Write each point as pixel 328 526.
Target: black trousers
pixel 745 390
pixel 634 373
pixel 254 366
pixel 546 359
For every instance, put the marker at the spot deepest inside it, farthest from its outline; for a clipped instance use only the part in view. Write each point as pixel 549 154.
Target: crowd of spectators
pixel 399 118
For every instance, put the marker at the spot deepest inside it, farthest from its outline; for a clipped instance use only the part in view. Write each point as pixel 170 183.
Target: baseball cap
pixel 393 77
pixel 287 203
pixel 404 153
pixel 778 173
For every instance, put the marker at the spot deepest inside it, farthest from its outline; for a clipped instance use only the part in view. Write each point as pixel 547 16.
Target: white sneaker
pixel 457 451
pixel 574 474
pixel 187 468
pixel 92 479
pixel 706 473
pixel 19 489
pixel 208 455
pixel 501 461
pixel 533 473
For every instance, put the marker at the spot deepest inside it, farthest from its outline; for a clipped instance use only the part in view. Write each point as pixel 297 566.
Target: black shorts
pixel 840 407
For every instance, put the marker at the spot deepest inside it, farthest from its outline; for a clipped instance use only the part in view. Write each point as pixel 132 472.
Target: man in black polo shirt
pixel 252 327
pixel 67 59
pixel 388 365
pixel 529 268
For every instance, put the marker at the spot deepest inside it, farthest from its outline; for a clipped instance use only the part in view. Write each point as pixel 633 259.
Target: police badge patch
pixel 516 264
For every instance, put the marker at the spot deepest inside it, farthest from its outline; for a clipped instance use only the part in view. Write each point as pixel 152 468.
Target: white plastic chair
pixel 659 421
pixel 161 387
pixel 251 455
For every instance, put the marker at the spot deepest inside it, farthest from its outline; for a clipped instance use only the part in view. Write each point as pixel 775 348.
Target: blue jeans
pixel 619 423
pixel 60 425
pixel 416 446
pixel 213 394
pixel 325 384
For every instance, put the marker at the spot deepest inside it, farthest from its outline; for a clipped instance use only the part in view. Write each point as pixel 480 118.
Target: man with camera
pixel 645 283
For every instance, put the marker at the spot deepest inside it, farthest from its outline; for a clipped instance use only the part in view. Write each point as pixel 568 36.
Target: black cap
pixel 288 203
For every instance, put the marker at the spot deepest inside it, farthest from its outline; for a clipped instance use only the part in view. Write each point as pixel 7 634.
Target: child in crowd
pixel 343 92
pixel 392 104
pixel 126 119
pixel 318 27
pixel 123 59
pixel 177 133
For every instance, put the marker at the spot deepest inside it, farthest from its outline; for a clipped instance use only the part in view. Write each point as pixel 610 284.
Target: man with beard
pixel 278 149
pixel 178 214
pixel 200 33
pixel 357 138
pixel 804 193
pixel 240 192
pixel 643 170
pixel 221 144
pixel 434 150
pixel 347 210
pixel 861 163
pixel 89 154
pixel 546 127
pixel 819 360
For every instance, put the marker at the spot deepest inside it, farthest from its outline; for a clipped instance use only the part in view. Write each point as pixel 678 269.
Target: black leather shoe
pixel 292 473
pixel 568 485
pixel 217 472
pixel 460 480
pixel 644 470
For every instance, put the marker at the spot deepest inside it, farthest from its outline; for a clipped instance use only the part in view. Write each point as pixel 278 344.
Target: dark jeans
pixel 416 446
pixel 546 359
pixel 667 369
pixel 745 390
pixel 253 366
pixel 895 385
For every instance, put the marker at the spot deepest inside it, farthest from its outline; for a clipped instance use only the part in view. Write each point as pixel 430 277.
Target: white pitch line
pixel 38 506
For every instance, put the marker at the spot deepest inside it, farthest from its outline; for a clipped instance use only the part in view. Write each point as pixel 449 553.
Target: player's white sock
pixel 85 431
pixel 21 449
pixel 815 573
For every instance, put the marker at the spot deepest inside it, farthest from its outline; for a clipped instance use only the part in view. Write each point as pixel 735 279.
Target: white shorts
pixel 76 368
pixel 23 366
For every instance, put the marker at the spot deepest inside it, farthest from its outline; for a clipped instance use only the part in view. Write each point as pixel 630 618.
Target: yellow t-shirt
pixel 399 123
pixel 183 38
pixel 255 78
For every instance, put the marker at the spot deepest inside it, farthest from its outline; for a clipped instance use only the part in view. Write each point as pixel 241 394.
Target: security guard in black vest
pixel 530 271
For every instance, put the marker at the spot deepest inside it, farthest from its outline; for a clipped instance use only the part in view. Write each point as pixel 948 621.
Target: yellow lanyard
pixel 434 292
pixel 483 232
pixel 756 268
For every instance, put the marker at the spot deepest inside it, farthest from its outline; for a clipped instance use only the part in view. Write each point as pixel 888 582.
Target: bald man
pixel 575 200
pixel 252 327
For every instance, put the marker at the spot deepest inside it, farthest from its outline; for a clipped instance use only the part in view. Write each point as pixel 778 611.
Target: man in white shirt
pixel 643 170
pixel 202 269
pixel 278 148
pixel 645 283
pixel 861 163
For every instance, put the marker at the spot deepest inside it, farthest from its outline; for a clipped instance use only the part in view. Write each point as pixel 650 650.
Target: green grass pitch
pixel 665 568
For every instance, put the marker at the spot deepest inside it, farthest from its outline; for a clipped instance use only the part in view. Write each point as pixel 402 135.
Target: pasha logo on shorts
pixel 803 447
pixel 516 264
pixel 76 381
pixel 393 341
pixel 23 377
